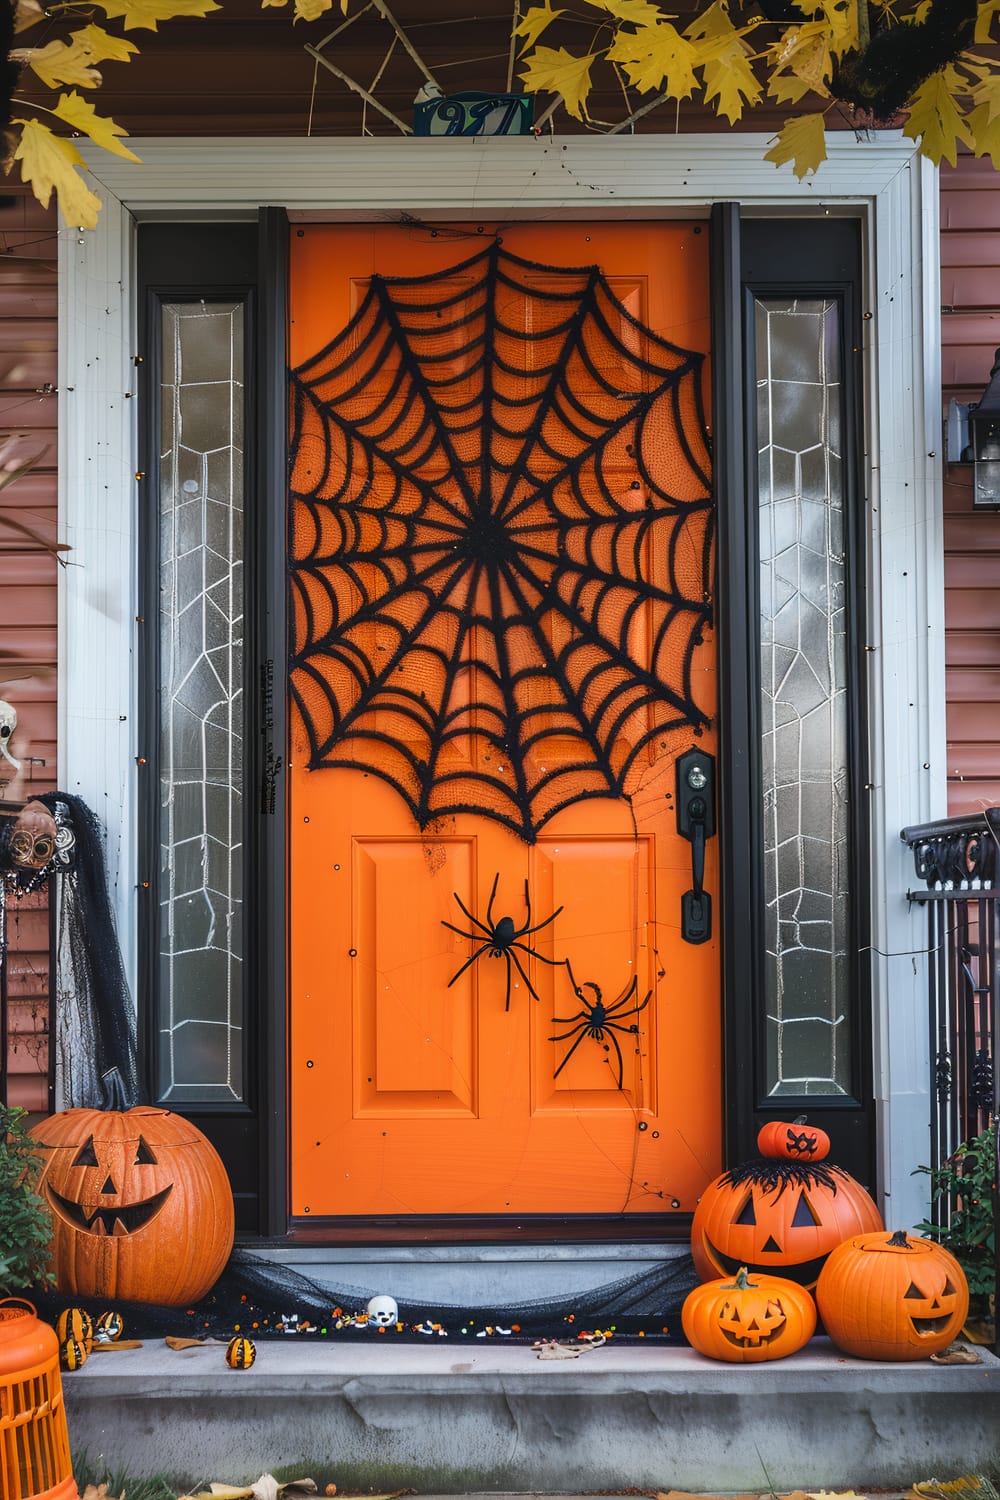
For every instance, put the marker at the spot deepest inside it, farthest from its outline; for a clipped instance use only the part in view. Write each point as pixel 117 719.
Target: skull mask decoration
pixel 382 1312
pixel 8 723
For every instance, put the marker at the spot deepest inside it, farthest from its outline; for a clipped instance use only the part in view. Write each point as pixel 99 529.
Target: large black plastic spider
pixel 600 1021
pixel 502 939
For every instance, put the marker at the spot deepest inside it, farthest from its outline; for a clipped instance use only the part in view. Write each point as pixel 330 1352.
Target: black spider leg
pixel 583 1023
pixel 581 1015
pixel 610 1026
pixel 528 931
pixel 490 946
pixel 483 948
pixel 553 963
pixel 471 935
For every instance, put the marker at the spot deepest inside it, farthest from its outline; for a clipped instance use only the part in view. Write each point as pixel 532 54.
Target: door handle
pixel 696 822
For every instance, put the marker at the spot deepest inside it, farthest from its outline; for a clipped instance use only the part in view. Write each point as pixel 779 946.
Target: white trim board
pixel 880 180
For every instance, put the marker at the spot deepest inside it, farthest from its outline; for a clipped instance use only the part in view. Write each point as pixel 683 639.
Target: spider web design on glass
pixel 500 543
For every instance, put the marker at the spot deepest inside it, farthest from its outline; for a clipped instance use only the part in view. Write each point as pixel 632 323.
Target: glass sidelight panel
pixel 201 642
pixel 804 708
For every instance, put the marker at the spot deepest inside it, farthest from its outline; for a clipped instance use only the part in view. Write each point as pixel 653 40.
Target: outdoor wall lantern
pixel 974 437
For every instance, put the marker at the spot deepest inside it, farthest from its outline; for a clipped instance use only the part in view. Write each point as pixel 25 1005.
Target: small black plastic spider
pixel 502 939
pixel 599 1021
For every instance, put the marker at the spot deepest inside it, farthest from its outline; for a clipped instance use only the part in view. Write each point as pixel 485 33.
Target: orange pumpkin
pixel 142 1210
pixel 778 1218
pixel 892 1297
pixel 749 1319
pixel 793 1142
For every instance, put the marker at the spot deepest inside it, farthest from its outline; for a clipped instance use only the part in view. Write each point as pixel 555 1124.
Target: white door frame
pixel 641 177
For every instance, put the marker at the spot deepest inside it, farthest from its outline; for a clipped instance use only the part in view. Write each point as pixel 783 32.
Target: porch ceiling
pixel 244 70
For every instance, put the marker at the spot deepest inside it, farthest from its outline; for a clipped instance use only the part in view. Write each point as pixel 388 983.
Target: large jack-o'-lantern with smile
pixel 142 1209
pixel 780 1217
pixel 892 1297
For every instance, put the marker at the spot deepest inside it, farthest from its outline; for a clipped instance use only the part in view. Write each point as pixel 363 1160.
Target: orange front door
pixel 500 588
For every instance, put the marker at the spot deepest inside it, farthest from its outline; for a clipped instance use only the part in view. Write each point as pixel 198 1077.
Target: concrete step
pixel 450 1418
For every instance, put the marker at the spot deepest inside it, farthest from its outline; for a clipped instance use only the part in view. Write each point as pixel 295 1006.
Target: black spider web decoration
pixel 500 545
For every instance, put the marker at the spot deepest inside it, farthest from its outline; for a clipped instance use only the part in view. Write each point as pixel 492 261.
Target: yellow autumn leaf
pixel 986 93
pixel 985 130
pixel 802 141
pixel 785 88
pixel 148 13
pixel 101 46
pixel 804 52
pixel 58 63
pixel 48 162
pixel 840 18
pixel 632 12
pixel 934 118
pixel 730 81
pixel 81 114
pixel 311 10
pixel 722 55
pixel 553 70
pixel 714 33
pixel 534 22
pixel 656 57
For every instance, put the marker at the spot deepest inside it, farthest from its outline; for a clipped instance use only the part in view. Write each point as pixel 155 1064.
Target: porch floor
pixel 448 1419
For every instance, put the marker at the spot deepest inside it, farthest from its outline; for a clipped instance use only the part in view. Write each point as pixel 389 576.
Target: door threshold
pixel 464 1229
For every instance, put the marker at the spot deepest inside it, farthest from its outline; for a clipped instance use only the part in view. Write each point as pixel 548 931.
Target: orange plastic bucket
pixel 34 1443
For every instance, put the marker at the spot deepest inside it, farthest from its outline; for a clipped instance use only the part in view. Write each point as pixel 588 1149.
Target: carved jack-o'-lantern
pixel 142 1210
pixel 797 1141
pixel 892 1297
pixel 749 1318
pixel 778 1217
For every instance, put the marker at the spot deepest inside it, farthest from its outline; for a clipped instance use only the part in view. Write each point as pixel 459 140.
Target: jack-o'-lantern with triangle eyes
pixel 779 1217
pixel 744 1319
pixel 142 1209
pixel 892 1297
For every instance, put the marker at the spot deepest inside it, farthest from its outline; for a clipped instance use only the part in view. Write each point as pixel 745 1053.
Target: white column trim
pixel 640 177
pixel 906 679
pixel 97 597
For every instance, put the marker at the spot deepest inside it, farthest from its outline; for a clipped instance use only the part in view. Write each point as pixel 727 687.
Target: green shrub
pixel 967 1180
pixel 25 1224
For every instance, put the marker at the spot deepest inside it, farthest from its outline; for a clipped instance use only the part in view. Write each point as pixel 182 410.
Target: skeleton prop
pixel 382 1312
pixel 8 723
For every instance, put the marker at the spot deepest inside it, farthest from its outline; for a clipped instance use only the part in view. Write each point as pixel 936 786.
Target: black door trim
pixel 787 258
pixel 271 657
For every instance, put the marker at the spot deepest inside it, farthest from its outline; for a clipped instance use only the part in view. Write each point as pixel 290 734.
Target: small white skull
pixel 8 723
pixel 382 1311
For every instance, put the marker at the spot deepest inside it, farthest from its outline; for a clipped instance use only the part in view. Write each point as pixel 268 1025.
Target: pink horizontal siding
pixel 28 569
pixel 970 297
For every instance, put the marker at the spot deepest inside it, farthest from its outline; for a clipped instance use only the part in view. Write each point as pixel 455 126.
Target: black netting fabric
pixel 500 540
pixel 261 1297
pixel 95 1027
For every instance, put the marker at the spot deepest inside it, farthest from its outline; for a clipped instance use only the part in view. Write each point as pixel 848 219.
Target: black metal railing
pixel 958 860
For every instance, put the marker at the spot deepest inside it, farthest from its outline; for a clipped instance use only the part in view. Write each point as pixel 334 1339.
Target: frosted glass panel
pixel 803 695
pixel 201 703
